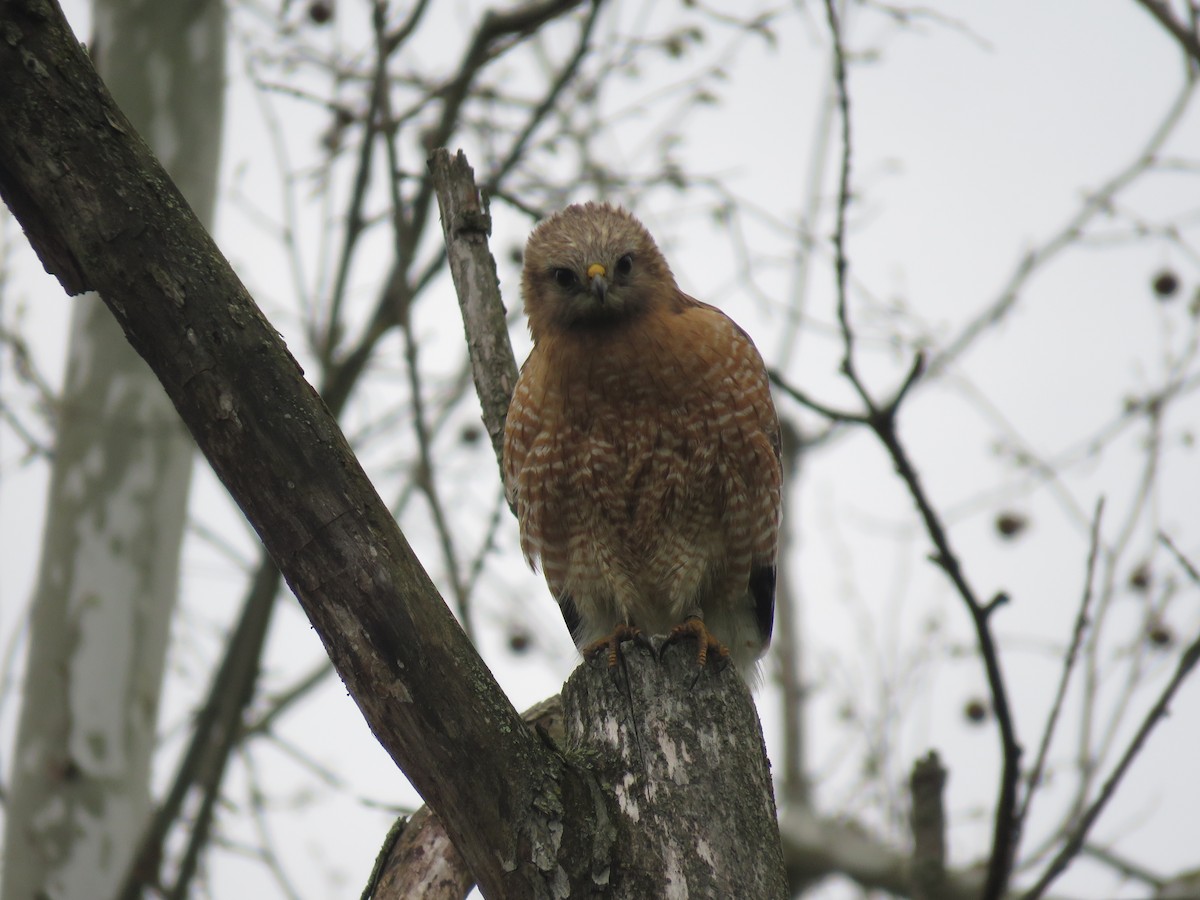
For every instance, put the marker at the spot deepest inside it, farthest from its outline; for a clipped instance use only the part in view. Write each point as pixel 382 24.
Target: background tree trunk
pixel 116 509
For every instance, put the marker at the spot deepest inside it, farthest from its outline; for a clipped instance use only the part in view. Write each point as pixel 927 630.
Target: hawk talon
pixel 693 626
pixel 612 643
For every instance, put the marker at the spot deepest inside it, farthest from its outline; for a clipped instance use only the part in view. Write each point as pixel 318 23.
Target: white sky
pixel 970 150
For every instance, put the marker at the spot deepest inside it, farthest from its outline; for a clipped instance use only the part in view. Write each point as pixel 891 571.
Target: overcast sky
pixel 975 142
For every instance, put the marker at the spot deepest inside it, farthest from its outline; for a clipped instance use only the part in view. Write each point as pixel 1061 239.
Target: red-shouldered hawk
pixel 642 446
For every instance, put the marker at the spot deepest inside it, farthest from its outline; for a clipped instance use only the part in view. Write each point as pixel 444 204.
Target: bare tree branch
pixel 495 29
pixel 426 476
pixel 1075 840
pixel 1094 204
pixel 882 420
pixel 817 847
pixel 419 859
pixel 236 677
pixel 104 216
pixel 1188 40
pixel 1187 564
pixel 1034 779
pixel 466 224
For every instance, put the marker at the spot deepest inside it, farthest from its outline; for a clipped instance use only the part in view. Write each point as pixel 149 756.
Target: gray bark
pixel 681 751
pixel 116 508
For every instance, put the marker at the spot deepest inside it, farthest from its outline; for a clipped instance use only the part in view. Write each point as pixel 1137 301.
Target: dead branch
pixel 467 224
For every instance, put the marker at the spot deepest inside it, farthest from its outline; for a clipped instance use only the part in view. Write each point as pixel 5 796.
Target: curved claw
pixel 693 626
pixel 612 643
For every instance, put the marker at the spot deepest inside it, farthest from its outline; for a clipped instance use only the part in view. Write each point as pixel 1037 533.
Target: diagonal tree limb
pixel 418 858
pixel 203 757
pixel 103 216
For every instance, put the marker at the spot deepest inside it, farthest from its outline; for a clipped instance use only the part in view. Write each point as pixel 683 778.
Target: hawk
pixel 641 450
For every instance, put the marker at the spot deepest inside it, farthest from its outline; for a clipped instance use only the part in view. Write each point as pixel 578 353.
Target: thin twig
pixel 427 477
pixel 1092 751
pixel 550 102
pixel 496 27
pixel 1081 623
pixel 395 40
pixel 25 367
pixel 882 420
pixel 1187 564
pixel 284 700
pixel 1157 713
pixel 213 737
pixel 488 544
pixel 258 815
pixel 354 220
pixel 280 147
pixel 1126 868
pixel 814 194
pixel 793 785
pixel 804 399
pixel 1096 203
pixel 841 264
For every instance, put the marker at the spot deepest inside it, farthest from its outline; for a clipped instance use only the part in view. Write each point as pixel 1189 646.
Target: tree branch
pixel 103 215
pixel 495 28
pixel 1187 39
pixel 418 859
pixel 882 420
pixel 1082 621
pixel 466 224
pixel 1158 712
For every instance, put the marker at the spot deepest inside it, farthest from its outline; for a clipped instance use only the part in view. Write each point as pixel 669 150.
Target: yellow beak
pixel 596 273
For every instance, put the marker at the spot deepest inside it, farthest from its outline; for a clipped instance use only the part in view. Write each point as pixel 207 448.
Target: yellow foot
pixel 612 643
pixel 693 626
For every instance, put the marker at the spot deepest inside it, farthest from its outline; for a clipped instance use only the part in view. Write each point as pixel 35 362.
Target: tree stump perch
pixel 679 751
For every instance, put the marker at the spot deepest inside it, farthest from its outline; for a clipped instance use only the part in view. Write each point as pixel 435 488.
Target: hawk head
pixel 591 266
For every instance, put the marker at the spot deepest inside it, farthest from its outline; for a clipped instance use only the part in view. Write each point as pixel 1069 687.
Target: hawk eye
pixel 625 264
pixel 566 278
